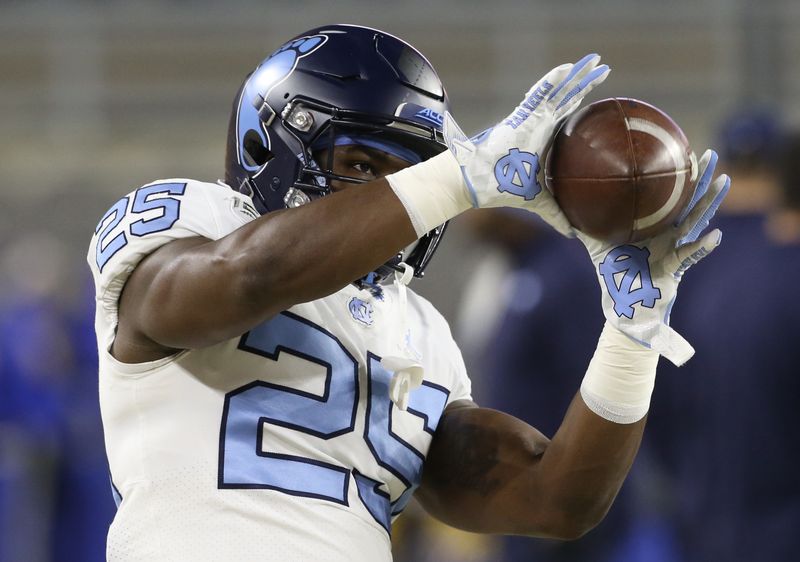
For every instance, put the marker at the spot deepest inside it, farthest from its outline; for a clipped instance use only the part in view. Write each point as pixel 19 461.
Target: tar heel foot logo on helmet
pixel 626 273
pixel 516 174
pixel 253 107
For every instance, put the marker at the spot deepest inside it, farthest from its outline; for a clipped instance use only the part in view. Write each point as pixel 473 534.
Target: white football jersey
pixel 281 444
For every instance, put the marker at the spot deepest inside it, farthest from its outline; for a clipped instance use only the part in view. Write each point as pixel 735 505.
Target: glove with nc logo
pixel 639 281
pixel 500 165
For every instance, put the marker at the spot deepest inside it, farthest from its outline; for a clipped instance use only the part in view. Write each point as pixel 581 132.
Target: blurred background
pixel 97 98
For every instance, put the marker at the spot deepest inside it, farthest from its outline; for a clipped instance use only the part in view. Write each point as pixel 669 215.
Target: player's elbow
pixel 564 527
pixel 569 521
pixel 574 526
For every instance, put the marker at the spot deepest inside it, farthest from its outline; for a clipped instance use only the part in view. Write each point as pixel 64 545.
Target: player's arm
pixel 195 292
pixel 490 472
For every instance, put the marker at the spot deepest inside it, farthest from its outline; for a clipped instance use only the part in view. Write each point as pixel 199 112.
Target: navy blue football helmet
pixel 337 84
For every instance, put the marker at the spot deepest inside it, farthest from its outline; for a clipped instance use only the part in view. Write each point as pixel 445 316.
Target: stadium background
pixel 97 98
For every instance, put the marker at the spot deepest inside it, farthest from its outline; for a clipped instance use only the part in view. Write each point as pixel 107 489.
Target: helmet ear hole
pixel 255 153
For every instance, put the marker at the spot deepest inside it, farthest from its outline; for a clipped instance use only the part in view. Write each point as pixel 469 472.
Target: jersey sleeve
pixel 154 215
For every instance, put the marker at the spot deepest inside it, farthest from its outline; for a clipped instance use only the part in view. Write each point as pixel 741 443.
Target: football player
pixel 271 390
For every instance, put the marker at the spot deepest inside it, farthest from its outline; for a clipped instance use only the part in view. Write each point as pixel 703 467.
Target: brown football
pixel 621 170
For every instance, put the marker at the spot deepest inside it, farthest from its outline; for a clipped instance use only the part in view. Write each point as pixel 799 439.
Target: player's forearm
pixel 586 463
pixel 301 254
pixel 524 484
pixel 592 452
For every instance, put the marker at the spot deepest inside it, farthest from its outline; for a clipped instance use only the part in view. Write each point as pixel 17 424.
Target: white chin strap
pixel 406 361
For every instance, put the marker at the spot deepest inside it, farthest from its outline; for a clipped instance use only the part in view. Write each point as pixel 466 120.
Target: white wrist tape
pixel 620 378
pixel 432 192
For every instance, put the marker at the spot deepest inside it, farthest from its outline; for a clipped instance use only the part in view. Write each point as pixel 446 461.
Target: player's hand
pixel 639 281
pixel 500 165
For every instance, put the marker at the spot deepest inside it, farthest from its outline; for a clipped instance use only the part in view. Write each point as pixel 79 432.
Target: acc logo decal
pixel 516 174
pixel 431 116
pixel 631 262
pixel 361 311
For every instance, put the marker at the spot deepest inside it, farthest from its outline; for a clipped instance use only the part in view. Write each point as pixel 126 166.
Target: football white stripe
pixel 675 152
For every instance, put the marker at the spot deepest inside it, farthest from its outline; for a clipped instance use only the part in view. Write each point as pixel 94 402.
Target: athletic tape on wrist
pixel 620 378
pixel 432 192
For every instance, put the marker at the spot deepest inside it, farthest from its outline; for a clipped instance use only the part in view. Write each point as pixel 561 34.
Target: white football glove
pixel 500 165
pixel 639 281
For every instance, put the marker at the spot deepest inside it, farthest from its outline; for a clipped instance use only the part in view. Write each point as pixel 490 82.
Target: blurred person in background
pixel 783 226
pixel 546 288
pixel 724 427
pixel 53 474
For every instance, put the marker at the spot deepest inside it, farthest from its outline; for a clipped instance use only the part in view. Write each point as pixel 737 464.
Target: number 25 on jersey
pixel 251 408
pixel 149 198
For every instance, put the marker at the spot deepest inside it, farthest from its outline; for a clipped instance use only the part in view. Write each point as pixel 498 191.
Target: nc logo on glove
pixel 516 174
pixel 632 263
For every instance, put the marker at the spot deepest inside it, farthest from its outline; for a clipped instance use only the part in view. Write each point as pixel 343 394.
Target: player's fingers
pixel 703 212
pixel 538 92
pixel 576 72
pixel 556 77
pixel 690 254
pixel 707 164
pixel 589 82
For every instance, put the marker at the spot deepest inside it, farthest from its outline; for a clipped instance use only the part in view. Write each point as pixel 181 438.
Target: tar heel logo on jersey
pixel 516 174
pixel 626 273
pixel 361 311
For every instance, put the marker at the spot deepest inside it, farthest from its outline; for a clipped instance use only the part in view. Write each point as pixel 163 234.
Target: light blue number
pixel 377 502
pixel 106 250
pixel 389 450
pixel 243 464
pixel 143 201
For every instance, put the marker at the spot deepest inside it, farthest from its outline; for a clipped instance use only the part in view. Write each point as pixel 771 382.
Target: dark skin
pixel 485 471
